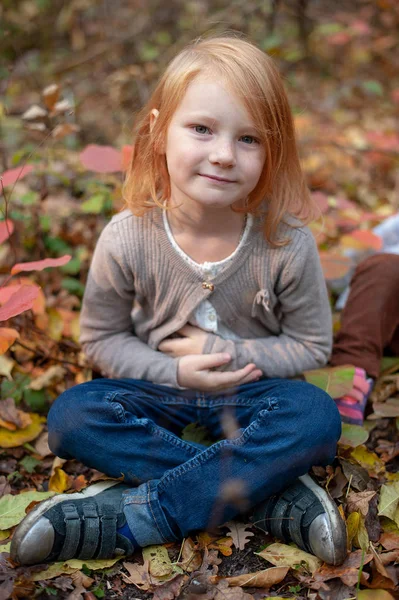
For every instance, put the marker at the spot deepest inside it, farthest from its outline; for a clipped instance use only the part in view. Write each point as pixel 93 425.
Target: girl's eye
pixel 201 128
pixel 251 139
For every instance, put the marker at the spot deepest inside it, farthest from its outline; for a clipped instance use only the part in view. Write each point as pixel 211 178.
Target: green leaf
pixel 73 286
pixel 57 246
pixel 29 463
pixel 389 499
pixel 12 508
pixel 73 267
pixel 336 381
pixel 30 198
pixel 93 205
pixel 373 87
pixel 5 547
pixel 353 435
pixel 14 389
pixel 194 432
pixel 37 400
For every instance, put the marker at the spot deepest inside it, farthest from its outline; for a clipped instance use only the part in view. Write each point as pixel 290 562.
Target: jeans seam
pixel 116 406
pixel 206 454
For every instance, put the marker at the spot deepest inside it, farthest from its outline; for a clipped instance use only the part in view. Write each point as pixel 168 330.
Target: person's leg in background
pixel 369 325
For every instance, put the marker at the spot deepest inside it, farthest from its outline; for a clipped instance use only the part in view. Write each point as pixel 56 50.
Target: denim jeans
pixel 266 434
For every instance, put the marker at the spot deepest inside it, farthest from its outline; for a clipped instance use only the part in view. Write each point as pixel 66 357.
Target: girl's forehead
pixel 206 95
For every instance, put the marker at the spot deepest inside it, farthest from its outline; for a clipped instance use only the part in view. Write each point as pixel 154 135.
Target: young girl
pixel 204 296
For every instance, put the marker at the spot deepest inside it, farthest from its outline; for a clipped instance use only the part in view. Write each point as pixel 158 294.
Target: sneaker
pixel 81 525
pixel 305 514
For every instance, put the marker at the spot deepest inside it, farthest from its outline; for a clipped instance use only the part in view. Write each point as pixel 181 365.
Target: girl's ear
pixel 153 117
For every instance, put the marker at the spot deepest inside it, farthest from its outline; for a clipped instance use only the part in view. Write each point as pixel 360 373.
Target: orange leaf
pixel 39 265
pixel 101 159
pixel 13 175
pixel 7 338
pixel 20 301
pixel 334 265
pixel 6 229
pixel 362 240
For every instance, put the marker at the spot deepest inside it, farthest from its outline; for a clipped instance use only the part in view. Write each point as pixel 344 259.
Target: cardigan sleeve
pixel 106 328
pixel 305 340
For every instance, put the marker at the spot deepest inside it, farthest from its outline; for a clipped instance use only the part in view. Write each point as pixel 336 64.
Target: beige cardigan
pixel 140 291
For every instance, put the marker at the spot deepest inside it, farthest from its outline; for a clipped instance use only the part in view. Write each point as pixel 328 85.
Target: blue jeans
pixel 266 434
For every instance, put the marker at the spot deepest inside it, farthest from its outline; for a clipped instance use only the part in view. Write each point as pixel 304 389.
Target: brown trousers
pixel 370 319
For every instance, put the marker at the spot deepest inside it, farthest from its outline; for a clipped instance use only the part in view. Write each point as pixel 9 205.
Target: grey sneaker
pixel 81 525
pixel 305 514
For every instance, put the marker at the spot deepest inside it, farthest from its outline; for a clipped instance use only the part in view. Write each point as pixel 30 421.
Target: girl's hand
pixel 192 342
pixel 194 372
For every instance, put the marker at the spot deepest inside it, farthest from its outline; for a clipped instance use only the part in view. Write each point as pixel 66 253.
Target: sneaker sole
pixel 336 521
pixel 30 519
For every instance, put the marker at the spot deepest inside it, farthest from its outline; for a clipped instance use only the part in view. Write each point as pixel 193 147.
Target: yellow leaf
pixel 368 460
pixel 4 534
pixel 54 570
pixel 59 481
pixel 352 526
pixel 53 375
pixel 361 539
pixel 94 565
pixel 159 560
pixel 223 545
pixel 56 324
pixel 282 555
pixel 5 547
pixel 12 439
pixel 374 595
pixel 7 338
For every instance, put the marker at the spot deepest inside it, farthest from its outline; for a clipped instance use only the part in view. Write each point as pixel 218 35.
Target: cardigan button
pixel 208 286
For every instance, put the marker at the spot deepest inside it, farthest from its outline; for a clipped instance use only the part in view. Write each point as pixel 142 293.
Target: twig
pixel 48 356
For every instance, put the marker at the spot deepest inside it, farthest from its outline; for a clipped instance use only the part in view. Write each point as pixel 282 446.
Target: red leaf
pixel 12 175
pixel 101 159
pixel 6 229
pixel 39 265
pixel 20 301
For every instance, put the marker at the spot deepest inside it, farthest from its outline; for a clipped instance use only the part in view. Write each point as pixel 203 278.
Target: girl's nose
pixel 223 153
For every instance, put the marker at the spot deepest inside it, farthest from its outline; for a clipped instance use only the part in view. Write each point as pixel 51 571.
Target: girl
pixel 204 296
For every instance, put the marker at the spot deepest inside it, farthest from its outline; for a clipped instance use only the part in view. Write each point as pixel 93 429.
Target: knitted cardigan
pixel 140 291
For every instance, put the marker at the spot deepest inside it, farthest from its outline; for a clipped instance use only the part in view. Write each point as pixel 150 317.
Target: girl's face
pixel 212 150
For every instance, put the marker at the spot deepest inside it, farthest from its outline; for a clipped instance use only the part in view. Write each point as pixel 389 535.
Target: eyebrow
pixel 200 116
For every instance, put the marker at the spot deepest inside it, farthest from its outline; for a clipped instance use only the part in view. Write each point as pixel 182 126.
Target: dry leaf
pixel 265 578
pixel 191 558
pixel 11 418
pixel 239 533
pixel 359 502
pixel 59 481
pixel 138 575
pixel 53 375
pixel 12 439
pixel 282 555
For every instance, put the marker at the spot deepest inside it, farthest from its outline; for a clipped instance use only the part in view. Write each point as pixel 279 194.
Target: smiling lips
pixel 220 179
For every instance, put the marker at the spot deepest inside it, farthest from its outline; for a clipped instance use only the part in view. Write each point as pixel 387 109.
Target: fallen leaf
pixel 13 175
pixel 390 541
pixel 282 555
pixel 101 159
pixel 224 592
pixel 334 265
pixel 138 575
pixel 368 460
pixel 361 539
pixel 352 526
pixel 191 558
pixel 336 381
pixel 348 572
pixel 59 481
pixel 223 545
pixel 361 239
pixel 93 565
pixel 5 547
pixel 374 595
pixel 12 508
pixel 239 533
pixel 389 499
pixel 41 445
pixel 11 418
pixel 7 338
pixel 54 570
pixel 39 265
pixel 265 578
pixel 6 366
pixel 353 435
pixel 171 589
pixel 12 439
pixel 20 301
pixel 159 561
pixel 53 375
pixel 359 501
pixel 356 475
